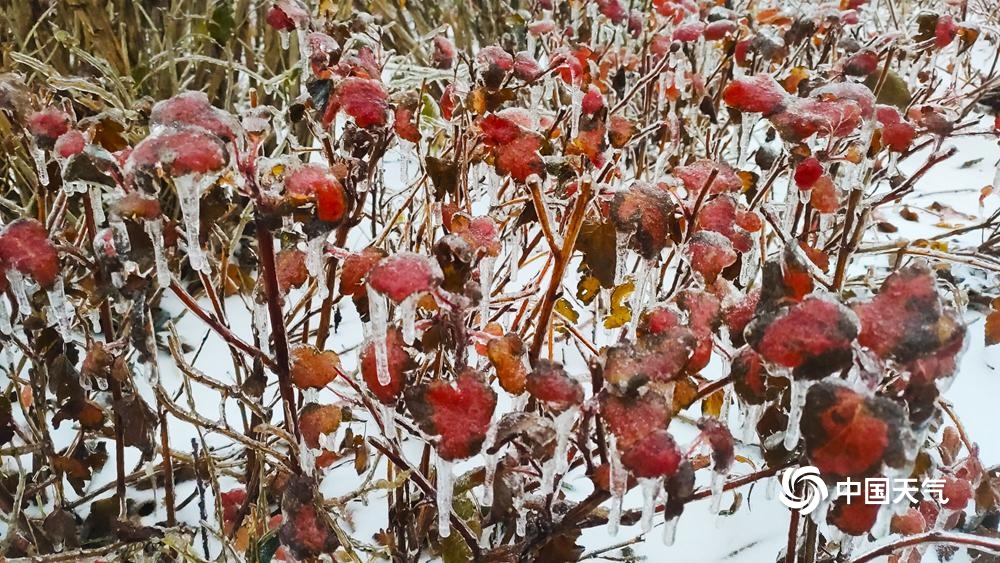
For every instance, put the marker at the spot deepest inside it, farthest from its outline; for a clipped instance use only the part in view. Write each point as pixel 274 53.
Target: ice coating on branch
pixel 154 228
pixel 445 491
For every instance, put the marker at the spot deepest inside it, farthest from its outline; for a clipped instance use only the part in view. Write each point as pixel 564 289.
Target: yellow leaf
pixel 564 308
pixel 620 312
pixel 712 404
pixel 587 289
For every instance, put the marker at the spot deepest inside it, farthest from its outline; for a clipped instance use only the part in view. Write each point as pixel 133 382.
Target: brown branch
pixel 934 536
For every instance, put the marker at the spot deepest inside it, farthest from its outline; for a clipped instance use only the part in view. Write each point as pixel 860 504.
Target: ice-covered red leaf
pixel 192 109
pixel 593 100
pixel 526 68
pixel 654 455
pixel 404 274
pixel 687 32
pixel 315 182
pixel 825 196
pixel 69 143
pixel 848 434
pixel 313 368
pixel 494 63
pixel 720 29
pixel 695 176
pixel 506 354
pixel 620 131
pixel 614 10
pixel 647 211
pixel 457 414
pixel 364 99
pixel 906 320
pixel 291 269
pixel 632 417
pixel 659 320
pixel 316 420
pixel 897 134
pixel 861 63
pixel 404 121
pixel 498 130
pixel 356 268
pixel 399 364
pixel 444 53
pixel 703 318
pixel 520 158
pixel 725 215
pixel 481 233
pixel 751 379
pixel 813 337
pixel 549 384
pixel 25 247
pixel 180 152
pixel 720 441
pixel 855 518
pixel 737 314
pixel 305 529
pixel 657 357
pixel 137 205
pixel 760 93
pixel 807 172
pixel 710 253
pixel 47 125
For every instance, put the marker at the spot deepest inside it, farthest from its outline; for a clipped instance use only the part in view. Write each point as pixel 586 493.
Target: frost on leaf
pixel 316 420
pixel 848 434
pixel 305 528
pixel 647 212
pixel 180 152
pixel 654 455
pixel 695 177
pixel 356 268
pixel 813 337
pixel 48 125
pixel 192 109
pixel 520 158
pixel 402 275
pixel 291 269
pixel 313 368
pixel 725 215
pixel 703 319
pixel 854 518
pixel 364 99
pixel 494 63
pixel 25 247
pixel 657 357
pixel 481 233
pixel 807 172
pixel 906 319
pixel 633 417
pixel 399 364
pixel 760 93
pixel 549 384
pixel 897 134
pixel 315 183
pixel 69 143
pixel 506 354
pixel 457 414
pixel 710 253
pixel 752 380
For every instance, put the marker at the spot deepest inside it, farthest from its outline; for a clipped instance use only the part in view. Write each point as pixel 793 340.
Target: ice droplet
pixel 716 485
pixel 41 165
pixel 20 289
pixel 286 38
pixel 189 188
pixel 618 483
pixel 650 491
pixel 408 316
pixel 378 320
pixel 486 284
pixel 154 228
pixel 792 432
pixel 669 531
pixel 444 494
pixel 60 311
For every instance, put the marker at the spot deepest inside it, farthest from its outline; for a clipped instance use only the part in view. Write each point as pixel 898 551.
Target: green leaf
pixel 894 92
pixel 267 547
pixel 220 27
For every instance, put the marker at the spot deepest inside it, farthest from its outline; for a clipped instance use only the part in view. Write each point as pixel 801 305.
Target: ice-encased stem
pixel 378 321
pixel 489 464
pixel 5 327
pixel 154 228
pixel 445 490
pixel 792 432
pixel 20 289
pixel 316 265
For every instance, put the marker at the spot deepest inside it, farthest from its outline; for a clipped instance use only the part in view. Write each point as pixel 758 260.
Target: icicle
pixel 316 264
pixel 20 289
pixel 644 274
pixel 799 390
pixel 408 315
pixel 771 489
pixel 750 424
pixel 716 486
pixel 486 284
pixel 548 477
pixel 189 196
pixel 41 165
pixel 746 133
pixel 564 428
pixel 119 233
pixel 621 257
pixel 650 491
pixel 618 483
pixel 307 458
pixel 261 325
pixel 804 196
pixel 516 251
pixel 378 320
pixel 521 524
pixel 791 200
pixel 388 419
pixel 154 228
pixel 5 327
pixel 94 193
pixel 286 38
pixel 444 494
pixel 489 464
pixel 576 100
pixel 60 311
pixel 669 531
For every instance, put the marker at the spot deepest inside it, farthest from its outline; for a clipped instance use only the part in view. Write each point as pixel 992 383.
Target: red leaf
pixel 760 93
pixel 25 247
pixel 695 176
pixel 850 435
pixel 855 518
pixel 633 417
pixel 444 53
pixel 648 211
pixel 356 268
pixel 658 357
pixel 459 415
pixel 180 152
pixel 710 253
pixel 304 529
pixel 315 181
pixel 291 269
pixel 399 363
pixel 192 109
pixel 654 455
pixel 315 420
pixel 48 125
pixel 520 157
pixel 725 215
pixel 814 337
pixel 69 143
pixel 402 275
pixel 506 355
pixel 807 172
pixel 552 386
pixel 313 368
pixel 364 99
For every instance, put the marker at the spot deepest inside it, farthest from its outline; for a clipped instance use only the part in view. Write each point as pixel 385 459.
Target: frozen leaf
pixel 908 523
pixel 481 233
pixel 724 214
pixel 710 253
pixel 687 32
pixel 720 441
pixel 703 318
pixel 720 29
pixel 192 109
pixel 305 529
pixel 316 183
pixel 906 319
pixel 526 68
pixel 807 172
pixel 760 93
pixel 751 379
pixel 180 152
pixel 69 143
pixel 25 247
pixel 825 196
pixel 316 420
pixel 458 414
pixel 356 268
pixel 142 421
pixel 494 63
pixel 613 10
pixel 854 518
pixel 633 417
pixel 620 131
pixel 695 176
pixel 364 99
pixel 552 386
pixel 506 354
pixel 137 205
pixel 736 315
pixel 291 269
pixel 404 274
pixel 404 121
pixel 654 455
pixel 443 56
pixel 658 357
pixel 313 368
pixel 399 364
pixel 520 158
pixel 599 244
pixel 993 324
pixel 862 63
pixel 850 435
pixel 47 125
pixel 659 320
pixel 813 337
pixel 647 211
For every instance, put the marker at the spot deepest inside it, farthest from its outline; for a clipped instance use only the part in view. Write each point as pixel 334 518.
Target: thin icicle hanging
pixel 670 531
pixel 564 428
pixel 716 485
pixel 618 483
pixel 261 324
pixel 20 289
pixel 408 317
pixel 94 193
pixel 316 265
pixel 189 190
pixel 445 490
pixel 486 284
pixel 650 492
pixel 793 431
pixel 41 165
pixel 154 228
pixel 5 327
pixel 60 311
pixel 489 464
pixel 378 321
